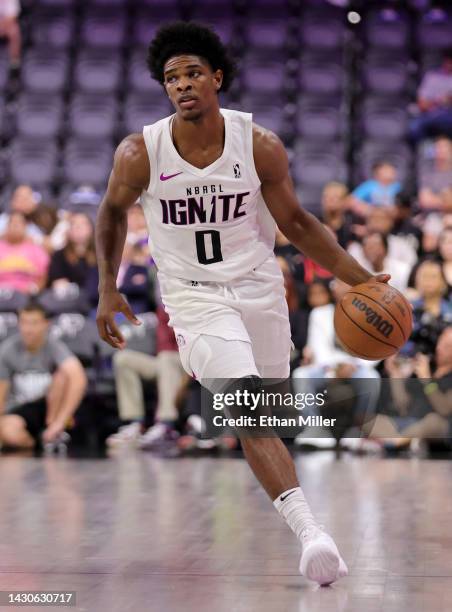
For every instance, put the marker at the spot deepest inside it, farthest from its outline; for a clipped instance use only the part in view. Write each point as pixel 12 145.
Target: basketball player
pixel 213 187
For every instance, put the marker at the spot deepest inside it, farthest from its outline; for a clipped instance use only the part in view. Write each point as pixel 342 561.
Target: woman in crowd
pixel 76 262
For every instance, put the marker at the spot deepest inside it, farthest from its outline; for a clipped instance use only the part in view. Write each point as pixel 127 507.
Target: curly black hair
pixel 180 38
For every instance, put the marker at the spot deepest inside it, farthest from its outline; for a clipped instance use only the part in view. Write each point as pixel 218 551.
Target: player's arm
pixel 302 228
pixel 130 175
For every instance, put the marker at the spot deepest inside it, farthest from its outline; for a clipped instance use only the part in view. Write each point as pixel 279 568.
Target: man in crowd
pixel 41 383
pixel 435 102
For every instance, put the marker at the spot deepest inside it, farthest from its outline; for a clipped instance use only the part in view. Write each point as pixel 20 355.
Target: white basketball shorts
pixel 231 329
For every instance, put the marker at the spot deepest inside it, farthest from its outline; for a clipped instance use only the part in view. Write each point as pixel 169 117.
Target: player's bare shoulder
pixel 131 163
pixel 270 156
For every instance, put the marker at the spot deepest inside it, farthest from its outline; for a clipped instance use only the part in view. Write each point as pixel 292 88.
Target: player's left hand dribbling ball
pixel 373 320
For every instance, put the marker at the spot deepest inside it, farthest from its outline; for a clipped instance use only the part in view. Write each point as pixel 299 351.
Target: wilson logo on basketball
pixel 383 326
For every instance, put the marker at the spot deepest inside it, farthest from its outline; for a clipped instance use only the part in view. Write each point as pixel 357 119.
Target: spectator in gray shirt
pixel 434 102
pixel 41 383
pixel 436 178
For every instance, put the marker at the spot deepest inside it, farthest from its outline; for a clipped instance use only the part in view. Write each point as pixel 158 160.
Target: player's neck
pixel 203 132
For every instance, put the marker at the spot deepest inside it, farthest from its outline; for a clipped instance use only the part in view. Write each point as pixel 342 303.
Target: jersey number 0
pixel 201 246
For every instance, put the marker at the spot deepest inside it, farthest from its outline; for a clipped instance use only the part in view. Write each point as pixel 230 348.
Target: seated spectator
pixel 10 29
pixel 445 254
pixel 404 225
pixel 45 224
pixel 435 181
pixel 324 358
pixel 137 278
pixel 335 214
pixel 434 102
pixel 285 249
pixel 374 256
pixel 400 247
pixel 424 404
pixel 41 383
pixel 380 190
pixel 131 367
pixel 23 264
pixel 432 312
pixel 76 262
pixel 298 317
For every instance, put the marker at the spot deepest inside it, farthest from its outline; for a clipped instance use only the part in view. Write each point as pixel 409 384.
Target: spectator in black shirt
pixel 76 262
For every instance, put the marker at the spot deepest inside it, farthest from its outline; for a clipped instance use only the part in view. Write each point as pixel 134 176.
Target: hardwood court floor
pixel 137 533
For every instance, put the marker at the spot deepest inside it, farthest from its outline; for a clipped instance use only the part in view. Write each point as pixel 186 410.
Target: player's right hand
pixel 111 302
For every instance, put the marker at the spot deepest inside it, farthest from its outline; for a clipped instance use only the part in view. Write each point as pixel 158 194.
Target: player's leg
pixel 228 365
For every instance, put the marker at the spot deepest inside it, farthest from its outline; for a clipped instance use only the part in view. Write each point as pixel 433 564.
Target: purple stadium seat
pixel 321 78
pixel 53 26
pixel 323 122
pixel 268 34
pixel 87 161
pixel 266 77
pixel 98 71
pixel 103 28
pixel 58 3
pixel 387 27
pixel 138 75
pixel 93 116
pixel 39 115
pixel 382 121
pixel 317 169
pixel 45 69
pixel 142 109
pixel 33 161
pixel 159 11
pixel 109 3
pixel 144 28
pixel 434 29
pixel 371 152
pixel 2 114
pixel 267 110
pixel 385 77
pixel 322 28
pixel 268 9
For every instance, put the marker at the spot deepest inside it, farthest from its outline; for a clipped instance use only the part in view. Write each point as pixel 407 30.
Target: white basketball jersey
pixel 208 224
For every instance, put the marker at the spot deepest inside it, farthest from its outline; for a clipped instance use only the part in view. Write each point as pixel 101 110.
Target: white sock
pixel 294 509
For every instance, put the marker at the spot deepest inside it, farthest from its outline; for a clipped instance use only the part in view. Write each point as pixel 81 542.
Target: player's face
pixel 191 85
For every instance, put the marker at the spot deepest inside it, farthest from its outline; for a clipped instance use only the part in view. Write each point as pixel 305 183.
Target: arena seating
pixel 336 93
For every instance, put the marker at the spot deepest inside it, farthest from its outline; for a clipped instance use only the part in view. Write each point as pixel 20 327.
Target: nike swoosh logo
pixel 170 176
pixel 286 496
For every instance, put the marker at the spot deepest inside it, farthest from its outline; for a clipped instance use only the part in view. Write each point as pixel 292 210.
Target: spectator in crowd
pixel 131 368
pixel 10 29
pixel 285 249
pixel 298 317
pixel 436 178
pixel 380 190
pixel 45 225
pixel 41 383
pixel 335 214
pixel 323 358
pixel 434 102
pixel 445 254
pixel 432 312
pixel 137 231
pixel 137 278
pixel 400 247
pixel 423 403
pixel 23 264
pixel 76 262
pixel 404 225
pixel 374 254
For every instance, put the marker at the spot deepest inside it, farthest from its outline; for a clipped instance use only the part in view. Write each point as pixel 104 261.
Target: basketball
pixel 373 321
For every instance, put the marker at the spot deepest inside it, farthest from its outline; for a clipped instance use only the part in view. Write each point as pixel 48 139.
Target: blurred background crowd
pixel 360 93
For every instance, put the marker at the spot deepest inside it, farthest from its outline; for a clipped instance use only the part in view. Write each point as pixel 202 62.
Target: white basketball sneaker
pixel 320 559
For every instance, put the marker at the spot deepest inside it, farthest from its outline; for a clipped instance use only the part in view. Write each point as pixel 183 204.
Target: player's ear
pixel 218 79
